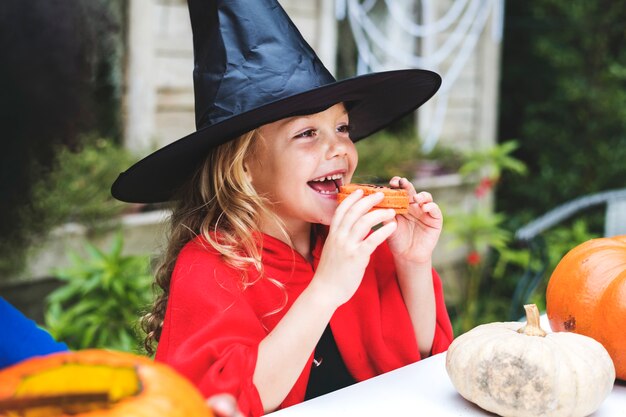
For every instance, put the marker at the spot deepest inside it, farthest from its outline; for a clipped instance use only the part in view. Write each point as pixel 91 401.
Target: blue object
pixel 21 338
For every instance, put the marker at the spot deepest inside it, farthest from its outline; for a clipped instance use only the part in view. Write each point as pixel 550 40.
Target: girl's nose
pixel 337 145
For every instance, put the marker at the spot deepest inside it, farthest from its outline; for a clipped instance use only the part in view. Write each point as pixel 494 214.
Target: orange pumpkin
pixel 587 295
pixel 97 383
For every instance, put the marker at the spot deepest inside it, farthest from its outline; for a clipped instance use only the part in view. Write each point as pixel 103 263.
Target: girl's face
pixel 299 163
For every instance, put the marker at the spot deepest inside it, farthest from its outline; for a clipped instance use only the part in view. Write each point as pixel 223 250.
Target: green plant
pixel 493 161
pixel 76 189
pixel 480 230
pixel 570 114
pixel 386 154
pixel 79 189
pixel 102 297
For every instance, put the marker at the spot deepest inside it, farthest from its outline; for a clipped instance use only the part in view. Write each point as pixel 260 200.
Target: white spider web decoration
pixel 462 23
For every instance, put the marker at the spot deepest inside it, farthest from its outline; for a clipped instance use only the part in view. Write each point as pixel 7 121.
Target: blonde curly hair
pixel 219 197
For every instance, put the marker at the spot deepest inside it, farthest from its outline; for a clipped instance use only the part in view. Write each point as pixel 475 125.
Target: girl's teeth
pixel 329 178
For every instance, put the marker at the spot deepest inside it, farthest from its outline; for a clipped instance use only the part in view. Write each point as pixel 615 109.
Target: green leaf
pixel 88 336
pixel 99 304
pixel 116 248
pixel 95 254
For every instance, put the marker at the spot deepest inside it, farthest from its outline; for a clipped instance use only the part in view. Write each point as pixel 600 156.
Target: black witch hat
pixel 252 67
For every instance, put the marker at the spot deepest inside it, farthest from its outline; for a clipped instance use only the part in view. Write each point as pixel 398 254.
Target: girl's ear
pixel 246 172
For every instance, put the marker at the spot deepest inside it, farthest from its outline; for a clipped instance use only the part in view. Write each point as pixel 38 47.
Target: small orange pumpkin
pixel 587 295
pixel 97 383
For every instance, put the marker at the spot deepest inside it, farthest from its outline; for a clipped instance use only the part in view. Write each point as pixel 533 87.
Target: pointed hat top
pixel 252 67
pixel 248 54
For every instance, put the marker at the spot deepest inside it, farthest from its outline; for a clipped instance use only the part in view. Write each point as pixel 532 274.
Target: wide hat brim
pixel 373 101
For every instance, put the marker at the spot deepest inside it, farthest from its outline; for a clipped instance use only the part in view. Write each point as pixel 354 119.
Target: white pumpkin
pixel 517 371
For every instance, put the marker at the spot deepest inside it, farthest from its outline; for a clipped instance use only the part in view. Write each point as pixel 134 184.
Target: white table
pixel 419 389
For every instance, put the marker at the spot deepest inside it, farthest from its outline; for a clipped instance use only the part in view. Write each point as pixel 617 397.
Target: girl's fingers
pixel 400 182
pixel 365 224
pixel 422 197
pixel 344 206
pixel 378 236
pixel 418 201
pixel 356 210
pixel 433 210
pixel 395 182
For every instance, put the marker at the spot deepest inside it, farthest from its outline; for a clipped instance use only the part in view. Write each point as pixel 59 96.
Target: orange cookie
pixel 397 199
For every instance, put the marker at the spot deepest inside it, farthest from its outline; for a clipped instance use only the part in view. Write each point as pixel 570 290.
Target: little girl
pixel 271 290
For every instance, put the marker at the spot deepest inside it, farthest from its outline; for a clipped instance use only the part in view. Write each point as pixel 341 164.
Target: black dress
pixel 328 371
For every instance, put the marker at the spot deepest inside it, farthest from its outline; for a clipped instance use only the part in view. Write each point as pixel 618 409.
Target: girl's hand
pixel 418 231
pixel 349 244
pixel 223 405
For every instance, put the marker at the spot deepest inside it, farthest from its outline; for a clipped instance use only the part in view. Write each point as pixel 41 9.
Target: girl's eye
pixel 344 129
pixel 309 133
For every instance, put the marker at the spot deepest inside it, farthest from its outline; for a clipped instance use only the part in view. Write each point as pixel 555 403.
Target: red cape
pixel 212 327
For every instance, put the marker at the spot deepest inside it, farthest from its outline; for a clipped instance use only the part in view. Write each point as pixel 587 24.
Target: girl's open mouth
pixel 327 185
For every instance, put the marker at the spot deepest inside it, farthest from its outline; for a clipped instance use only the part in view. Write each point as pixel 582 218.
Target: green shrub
pixel 101 300
pixel 569 110
pixel 76 189
pixel 79 189
pixel 386 154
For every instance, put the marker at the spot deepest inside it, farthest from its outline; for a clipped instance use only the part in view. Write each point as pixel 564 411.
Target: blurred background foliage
pixel 61 81
pixel 390 153
pixel 74 189
pixel 78 189
pixel 562 97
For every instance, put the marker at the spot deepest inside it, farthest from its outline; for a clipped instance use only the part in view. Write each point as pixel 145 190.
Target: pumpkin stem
pixel 532 328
